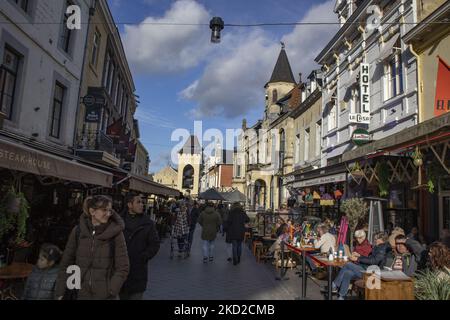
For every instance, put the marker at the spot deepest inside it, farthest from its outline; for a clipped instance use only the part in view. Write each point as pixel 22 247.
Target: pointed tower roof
pixel 282 71
pixel 192 146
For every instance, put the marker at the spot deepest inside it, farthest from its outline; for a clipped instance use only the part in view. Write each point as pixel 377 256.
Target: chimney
pixel 244 124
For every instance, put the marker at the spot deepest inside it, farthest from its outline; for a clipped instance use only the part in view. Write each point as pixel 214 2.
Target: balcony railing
pixel 96 140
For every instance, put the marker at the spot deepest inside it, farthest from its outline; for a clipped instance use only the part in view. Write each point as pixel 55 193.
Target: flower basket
pixel 316 195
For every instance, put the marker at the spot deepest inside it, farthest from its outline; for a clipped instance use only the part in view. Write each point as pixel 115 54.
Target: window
pixel 297 148
pixel 105 120
pixel 95 48
pixel 66 34
pixel 307 142
pixel 23 4
pixel 58 100
pixel 122 99
pixel 117 91
pixel 356 100
pixel 8 81
pixel 332 118
pixel 282 148
pixel 318 138
pixel 238 171
pixel 394 77
pixel 274 96
pixel 108 62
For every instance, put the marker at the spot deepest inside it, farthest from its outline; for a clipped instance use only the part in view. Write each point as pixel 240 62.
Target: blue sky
pixel 181 77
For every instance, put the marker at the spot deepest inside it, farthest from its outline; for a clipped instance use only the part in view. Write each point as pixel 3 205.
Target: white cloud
pixel 162 48
pixel 233 81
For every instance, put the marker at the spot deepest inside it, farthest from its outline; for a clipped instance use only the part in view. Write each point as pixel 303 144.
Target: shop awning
pixel 388 48
pixel 14 156
pixel 416 135
pixel 144 185
pixel 341 177
pixel 331 174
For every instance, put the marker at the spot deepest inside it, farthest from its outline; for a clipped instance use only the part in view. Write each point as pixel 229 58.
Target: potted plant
pixel 430 286
pixel 14 213
pixel 355 210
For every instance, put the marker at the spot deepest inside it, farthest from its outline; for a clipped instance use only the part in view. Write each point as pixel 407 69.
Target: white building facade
pixel 370 79
pixel 41 69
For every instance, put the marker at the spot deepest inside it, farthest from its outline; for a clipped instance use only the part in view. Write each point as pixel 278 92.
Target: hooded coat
pixel 210 221
pixel 102 272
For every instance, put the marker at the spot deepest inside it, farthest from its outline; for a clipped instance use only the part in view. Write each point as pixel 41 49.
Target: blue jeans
pixel 237 249
pixel 349 272
pixel 208 248
pixel 311 264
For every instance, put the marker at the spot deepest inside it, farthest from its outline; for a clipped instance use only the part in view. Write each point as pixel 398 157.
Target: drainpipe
pixel 419 83
pixel 91 14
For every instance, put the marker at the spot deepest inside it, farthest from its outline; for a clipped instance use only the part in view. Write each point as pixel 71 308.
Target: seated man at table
pixel 325 242
pixel 355 269
pixel 41 282
pixel 407 255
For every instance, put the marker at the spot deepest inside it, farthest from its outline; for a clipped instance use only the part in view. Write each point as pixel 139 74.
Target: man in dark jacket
pixel 142 243
pixel 407 256
pixel 235 227
pixel 355 270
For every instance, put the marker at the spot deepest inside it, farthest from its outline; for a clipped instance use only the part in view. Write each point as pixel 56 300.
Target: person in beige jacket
pixel 325 242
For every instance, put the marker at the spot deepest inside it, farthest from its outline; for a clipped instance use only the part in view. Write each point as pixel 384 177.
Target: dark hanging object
pixel 216 25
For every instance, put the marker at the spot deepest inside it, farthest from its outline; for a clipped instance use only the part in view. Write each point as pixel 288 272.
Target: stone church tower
pixel 280 84
pixel 189 166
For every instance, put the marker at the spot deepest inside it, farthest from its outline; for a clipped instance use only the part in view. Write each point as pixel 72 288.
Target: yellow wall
pixel 426 7
pixel 429 68
pixel 167 176
pixel 308 119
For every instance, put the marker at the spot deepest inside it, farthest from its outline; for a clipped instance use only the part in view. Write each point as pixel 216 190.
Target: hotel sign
pixel 364 116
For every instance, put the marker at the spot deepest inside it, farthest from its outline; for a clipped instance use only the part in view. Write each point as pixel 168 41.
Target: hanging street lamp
pixel 216 25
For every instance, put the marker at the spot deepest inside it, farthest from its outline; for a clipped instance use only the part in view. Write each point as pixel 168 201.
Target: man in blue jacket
pixel 359 264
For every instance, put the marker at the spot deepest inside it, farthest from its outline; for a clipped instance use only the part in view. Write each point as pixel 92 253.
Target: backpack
pixel 73 294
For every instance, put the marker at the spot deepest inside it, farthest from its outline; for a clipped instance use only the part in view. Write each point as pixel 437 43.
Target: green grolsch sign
pixel 361 137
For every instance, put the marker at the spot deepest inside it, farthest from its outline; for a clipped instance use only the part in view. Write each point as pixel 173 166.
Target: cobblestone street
pixel 190 279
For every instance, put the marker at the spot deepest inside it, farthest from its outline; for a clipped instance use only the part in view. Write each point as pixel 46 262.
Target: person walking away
pixel 181 229
pixel 41 283
pixel 142 243
pixel 210 221
pixel 195 212
pixel 97 246
pixel 235 226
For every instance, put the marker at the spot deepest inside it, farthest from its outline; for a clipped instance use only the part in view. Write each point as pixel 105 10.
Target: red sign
pixel 442 103
pixel 115 130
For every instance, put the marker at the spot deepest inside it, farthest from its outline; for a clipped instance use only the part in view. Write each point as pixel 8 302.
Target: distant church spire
pixel 282 71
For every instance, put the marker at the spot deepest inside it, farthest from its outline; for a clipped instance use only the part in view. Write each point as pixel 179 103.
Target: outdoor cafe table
pixel 302 251
pixel 337 263
pixel 15 271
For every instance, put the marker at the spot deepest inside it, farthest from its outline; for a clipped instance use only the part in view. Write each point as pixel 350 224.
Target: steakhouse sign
pixel 364 116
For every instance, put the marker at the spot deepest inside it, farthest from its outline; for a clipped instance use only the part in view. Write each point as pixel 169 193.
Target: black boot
pixel 239 260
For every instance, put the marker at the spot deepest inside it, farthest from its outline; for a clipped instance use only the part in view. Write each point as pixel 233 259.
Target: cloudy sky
pixel 182 77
